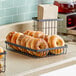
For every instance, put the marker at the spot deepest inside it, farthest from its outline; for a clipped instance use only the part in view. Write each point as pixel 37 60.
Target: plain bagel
pixel 14 38
pixel 38 44
pixel 1 51
pixel 26 32
pixel 56 41
pixel 18 40
pixel 9 37
pixel 24 41
pixel 28 45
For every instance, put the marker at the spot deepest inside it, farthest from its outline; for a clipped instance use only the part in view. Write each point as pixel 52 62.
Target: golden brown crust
pixel 46 38
pixel 26 32
pixel 14 38
pixel 37 34
pixel 28 44
pixel 42 36
pixel 55 41
pixel 1 51
pixel 31 33
pixel 18 41
pixel 9 36
pixel 24 41
pixel 38 44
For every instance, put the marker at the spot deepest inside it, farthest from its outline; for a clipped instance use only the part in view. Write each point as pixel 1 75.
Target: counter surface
pixel 17 63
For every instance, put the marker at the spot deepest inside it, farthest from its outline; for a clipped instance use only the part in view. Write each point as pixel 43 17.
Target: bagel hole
pixel 58 43
pixel 41 46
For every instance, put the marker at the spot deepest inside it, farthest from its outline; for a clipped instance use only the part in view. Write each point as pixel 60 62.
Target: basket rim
pixel 41 20
pixel 65 46
pixel 3 53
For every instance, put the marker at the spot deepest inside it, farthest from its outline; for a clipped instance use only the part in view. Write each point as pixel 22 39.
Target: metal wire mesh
pixel 48 26
pixel 3 62
pixel 63 48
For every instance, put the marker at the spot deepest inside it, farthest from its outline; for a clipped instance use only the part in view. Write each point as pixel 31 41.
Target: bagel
pixel 26 32
pixel 18 41
pixel 38 44
pixel 56 41
pixel 31 33
pixel 24 41
pixel 37 34
pixel 1 51
pixel 28 44
pixel 46 38
pixel 9 37
pixel 14 38
pixel 41 35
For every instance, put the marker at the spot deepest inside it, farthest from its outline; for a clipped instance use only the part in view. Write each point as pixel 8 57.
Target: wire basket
pixel 3 62
pixel 48 26
pixel 41 50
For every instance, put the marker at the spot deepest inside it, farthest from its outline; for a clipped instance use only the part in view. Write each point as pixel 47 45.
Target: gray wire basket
pixel 56 48
pixel 3 62
pixel 48 26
